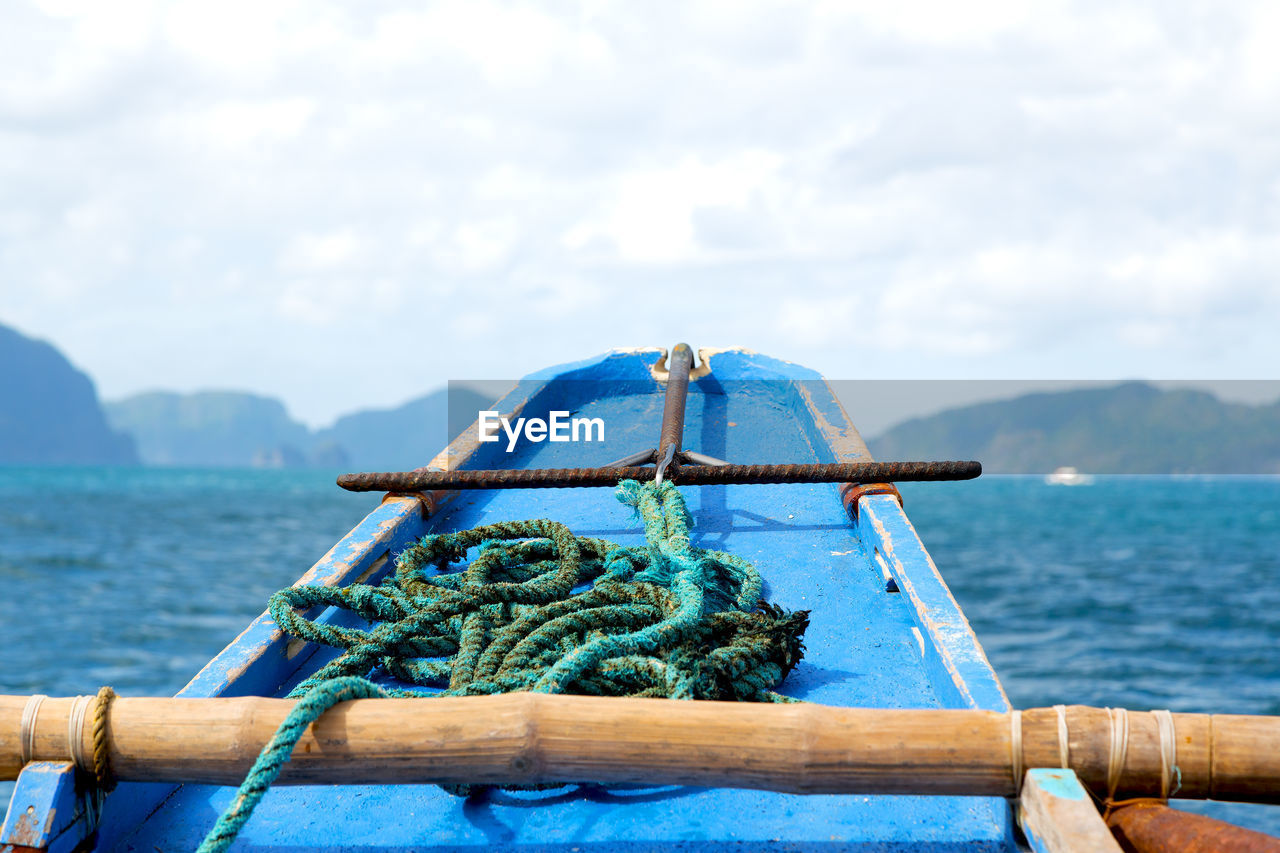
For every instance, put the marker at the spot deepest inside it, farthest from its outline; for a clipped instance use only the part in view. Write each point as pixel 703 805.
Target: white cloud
pixel 321 252
pixel 1062 188
pixel 649 212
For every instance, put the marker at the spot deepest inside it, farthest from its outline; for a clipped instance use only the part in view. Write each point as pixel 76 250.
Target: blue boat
pixel 884 632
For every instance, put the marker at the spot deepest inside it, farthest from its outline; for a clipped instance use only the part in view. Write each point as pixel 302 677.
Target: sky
pixel 346 205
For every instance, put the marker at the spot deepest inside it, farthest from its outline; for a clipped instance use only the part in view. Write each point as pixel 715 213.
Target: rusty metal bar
pixel 1150 826
pixel 685 475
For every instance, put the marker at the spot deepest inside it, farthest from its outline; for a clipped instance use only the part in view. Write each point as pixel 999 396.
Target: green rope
pixel 277 752
pixel 665 619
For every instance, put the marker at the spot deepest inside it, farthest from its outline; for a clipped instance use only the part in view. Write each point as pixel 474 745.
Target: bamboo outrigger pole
pixel 527 738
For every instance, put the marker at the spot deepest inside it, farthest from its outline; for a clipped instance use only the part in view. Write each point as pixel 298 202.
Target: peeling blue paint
pixel 1060 782
pixel 48 810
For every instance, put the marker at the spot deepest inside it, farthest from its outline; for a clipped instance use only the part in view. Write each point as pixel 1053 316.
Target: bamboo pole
pixel 527 738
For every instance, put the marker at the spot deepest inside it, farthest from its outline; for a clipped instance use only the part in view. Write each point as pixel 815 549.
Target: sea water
pixel 1137 592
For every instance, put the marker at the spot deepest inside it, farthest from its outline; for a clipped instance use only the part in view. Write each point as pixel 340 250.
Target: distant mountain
pixel 217 428
pixel 237 429
pixel 1131 428
pixel 49 411
pixel 408 436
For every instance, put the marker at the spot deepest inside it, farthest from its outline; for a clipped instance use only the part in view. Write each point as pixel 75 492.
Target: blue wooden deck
pixel 865 646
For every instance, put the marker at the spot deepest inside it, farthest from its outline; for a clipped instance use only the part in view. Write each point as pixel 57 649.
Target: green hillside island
pixel 50 414
pixel 49 411
pixel 238 429
pixel 218 428
pixel 1131 428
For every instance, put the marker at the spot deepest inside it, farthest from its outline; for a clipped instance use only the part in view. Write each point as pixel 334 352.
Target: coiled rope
pixel 665 619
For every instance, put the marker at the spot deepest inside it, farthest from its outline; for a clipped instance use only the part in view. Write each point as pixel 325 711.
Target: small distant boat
pixel 1068 476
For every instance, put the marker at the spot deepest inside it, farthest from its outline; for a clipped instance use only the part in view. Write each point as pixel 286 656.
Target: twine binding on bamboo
pixel 100 763
pixel 1015 745
pixel 1170 772
pixel 1117 750
pixel 1064 740
pixel 27 730
pixel 75 730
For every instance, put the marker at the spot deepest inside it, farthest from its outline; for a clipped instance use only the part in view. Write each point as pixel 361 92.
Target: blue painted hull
pixel 866 646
